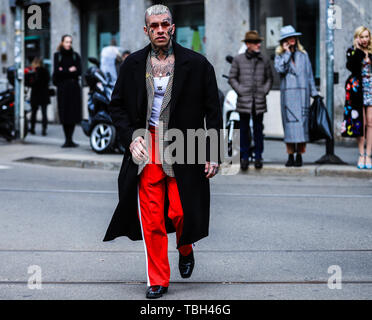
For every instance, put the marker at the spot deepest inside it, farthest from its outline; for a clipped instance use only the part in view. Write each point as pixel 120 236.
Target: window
pixel 99 25
pixel 188 17
pixel 268 16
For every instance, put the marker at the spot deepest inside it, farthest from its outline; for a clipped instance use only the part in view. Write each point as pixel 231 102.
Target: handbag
pixel 319 121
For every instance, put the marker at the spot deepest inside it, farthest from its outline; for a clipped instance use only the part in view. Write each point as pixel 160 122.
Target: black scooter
pixel 7 110
pixel 99 126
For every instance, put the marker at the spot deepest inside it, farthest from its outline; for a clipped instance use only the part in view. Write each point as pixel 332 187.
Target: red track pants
pixel 151 197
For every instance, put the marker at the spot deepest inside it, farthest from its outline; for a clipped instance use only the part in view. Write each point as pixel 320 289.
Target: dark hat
pixel 252 36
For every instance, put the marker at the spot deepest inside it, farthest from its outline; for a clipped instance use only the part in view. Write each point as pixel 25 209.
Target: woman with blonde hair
pixel 296 86
pixel 358 105
pixel 40 94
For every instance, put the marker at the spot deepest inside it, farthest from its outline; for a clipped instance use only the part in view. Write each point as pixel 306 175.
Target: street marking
pixel 199 251
pixel 324 196
pixel 107 282
pixel 245 195
pixel 4 168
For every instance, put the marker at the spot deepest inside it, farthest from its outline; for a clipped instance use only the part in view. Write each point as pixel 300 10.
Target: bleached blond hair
pixel 358 33
pixel 157 9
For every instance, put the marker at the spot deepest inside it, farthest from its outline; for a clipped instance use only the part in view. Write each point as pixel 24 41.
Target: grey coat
pixel 296 86
pixel 251 77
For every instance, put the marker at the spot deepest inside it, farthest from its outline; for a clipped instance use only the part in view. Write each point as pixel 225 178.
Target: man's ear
pixel 145 30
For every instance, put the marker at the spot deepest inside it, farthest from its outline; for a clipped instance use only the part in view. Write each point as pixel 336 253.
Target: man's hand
pixel 138 149
pixel 211 169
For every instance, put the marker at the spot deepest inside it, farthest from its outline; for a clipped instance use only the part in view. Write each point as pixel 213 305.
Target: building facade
pixel 214 28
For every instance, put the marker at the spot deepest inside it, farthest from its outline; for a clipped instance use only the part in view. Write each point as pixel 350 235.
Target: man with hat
pixel 251 77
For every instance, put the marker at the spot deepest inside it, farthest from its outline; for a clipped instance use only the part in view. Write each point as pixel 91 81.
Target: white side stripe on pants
pixel 143 237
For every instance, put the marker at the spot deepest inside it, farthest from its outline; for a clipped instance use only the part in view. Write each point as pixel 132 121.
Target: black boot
pixel 258 164
pixel 290 162
pixel 69 131
pixel 244 164
pixel 298 162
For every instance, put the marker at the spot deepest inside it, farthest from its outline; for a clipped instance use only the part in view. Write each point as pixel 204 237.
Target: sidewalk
pixel 47 151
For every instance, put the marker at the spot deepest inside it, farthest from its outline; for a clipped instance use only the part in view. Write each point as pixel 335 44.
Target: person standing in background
pixel 40 94
pixel 359 95
pixel 67 70
pixel 297 84
pixel 251 77
pixel 109 57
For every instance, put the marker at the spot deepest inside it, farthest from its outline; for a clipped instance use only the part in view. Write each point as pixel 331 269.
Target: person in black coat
pixel 67 70
pixel 190 102
pixel 40 94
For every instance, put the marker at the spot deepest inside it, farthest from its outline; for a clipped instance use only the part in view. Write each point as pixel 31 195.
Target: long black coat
pixel 194 99
pixel 40 87
pixel 69 94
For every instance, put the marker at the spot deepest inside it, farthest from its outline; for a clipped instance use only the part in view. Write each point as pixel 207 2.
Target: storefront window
pixel 188 17
pixel 100 25
pixel 268 16
pixel 37 41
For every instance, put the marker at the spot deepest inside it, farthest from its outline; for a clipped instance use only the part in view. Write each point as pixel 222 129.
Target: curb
pixel 269 169
pixel 81 164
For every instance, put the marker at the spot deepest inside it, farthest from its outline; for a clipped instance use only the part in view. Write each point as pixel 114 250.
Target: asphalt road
pixel 270 238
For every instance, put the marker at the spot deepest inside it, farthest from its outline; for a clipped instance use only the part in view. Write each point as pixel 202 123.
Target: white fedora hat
pixel 288 31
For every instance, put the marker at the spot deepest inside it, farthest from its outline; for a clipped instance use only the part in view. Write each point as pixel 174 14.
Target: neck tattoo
pixel 157 52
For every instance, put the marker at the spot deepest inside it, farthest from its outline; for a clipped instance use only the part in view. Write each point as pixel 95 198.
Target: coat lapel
pixel 149 87
pixel 140 78
pixel 181 70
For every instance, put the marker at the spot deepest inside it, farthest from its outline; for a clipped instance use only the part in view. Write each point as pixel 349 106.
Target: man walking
pixel 163 86
pixel 251 77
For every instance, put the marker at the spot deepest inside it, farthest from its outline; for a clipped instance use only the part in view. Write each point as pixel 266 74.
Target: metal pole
pixel 330 157
pixel 20 65
pixel 18 62
pixel 22 93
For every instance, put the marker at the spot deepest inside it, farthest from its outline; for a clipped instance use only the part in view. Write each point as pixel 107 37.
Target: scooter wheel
pixel 102 138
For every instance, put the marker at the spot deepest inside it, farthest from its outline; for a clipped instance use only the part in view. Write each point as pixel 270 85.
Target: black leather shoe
pixel 258 164
pixel 155 292
pixel 291 161
pixel 244 164
pixel 186 265
pixel 298 162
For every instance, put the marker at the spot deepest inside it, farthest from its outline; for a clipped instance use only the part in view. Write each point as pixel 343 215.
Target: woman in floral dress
pixel 358 108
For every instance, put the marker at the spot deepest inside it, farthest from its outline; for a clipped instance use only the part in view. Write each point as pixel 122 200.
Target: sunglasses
pixel 253 41
pixel 164 25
